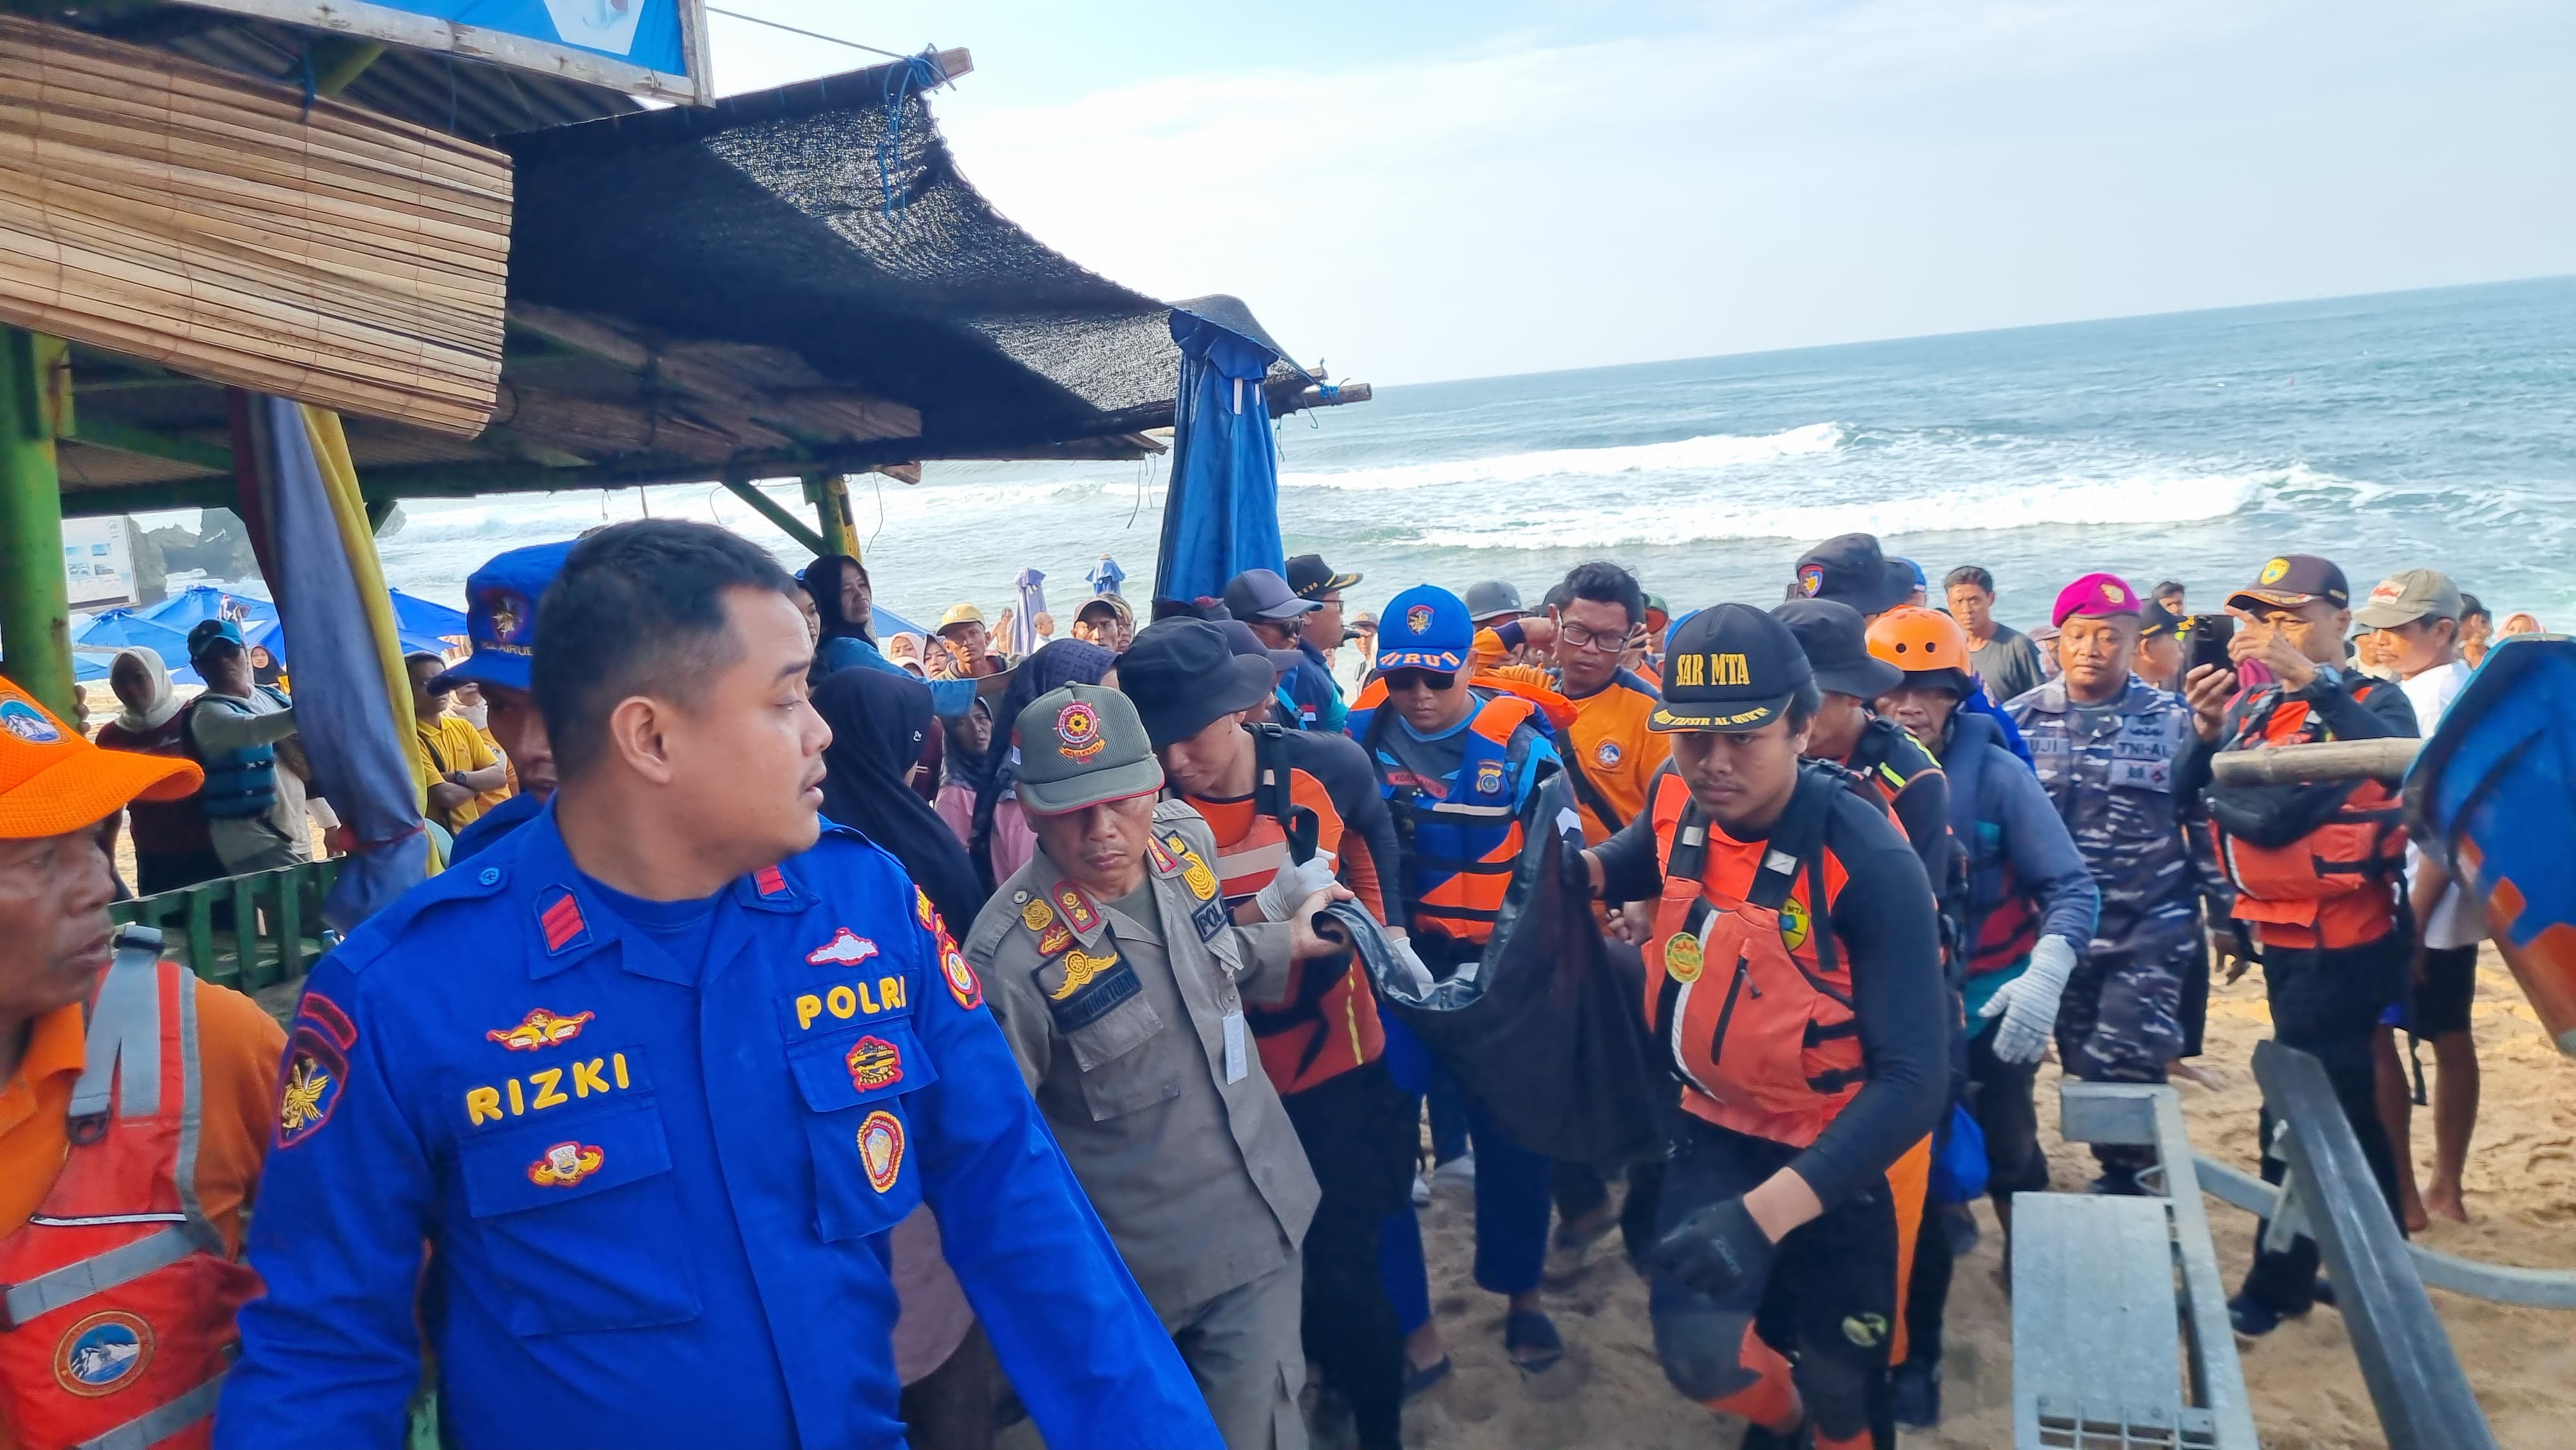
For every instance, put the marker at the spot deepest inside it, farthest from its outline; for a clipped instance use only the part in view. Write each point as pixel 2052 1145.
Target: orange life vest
pixel 1328 1023
pixel 2336 886
pixel 1461 848
pixel 1743 985
pixel 116 1297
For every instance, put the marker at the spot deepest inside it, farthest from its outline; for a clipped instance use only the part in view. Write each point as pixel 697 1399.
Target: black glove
pixel 1574 868
pixel 1718 1250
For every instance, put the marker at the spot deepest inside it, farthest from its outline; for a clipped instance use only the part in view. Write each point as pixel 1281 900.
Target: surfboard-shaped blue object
pixel 2494 795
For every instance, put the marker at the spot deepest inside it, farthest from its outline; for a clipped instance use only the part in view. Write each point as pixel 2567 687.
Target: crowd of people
pixel 818 1037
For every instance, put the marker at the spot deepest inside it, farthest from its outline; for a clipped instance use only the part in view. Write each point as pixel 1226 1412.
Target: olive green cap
pixel 1079 746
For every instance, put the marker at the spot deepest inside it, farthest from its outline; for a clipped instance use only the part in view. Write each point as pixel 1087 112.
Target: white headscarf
pixel 165 701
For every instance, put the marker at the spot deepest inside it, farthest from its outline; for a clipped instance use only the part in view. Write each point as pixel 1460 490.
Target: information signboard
pixel 645 47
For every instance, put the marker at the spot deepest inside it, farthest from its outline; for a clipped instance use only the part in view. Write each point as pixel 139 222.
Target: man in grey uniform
pixel 1120 981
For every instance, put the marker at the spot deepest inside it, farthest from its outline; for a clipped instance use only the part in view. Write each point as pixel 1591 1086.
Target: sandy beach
pixel 2307 1388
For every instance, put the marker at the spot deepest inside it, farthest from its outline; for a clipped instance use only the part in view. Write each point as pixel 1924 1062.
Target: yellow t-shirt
pixel 455 745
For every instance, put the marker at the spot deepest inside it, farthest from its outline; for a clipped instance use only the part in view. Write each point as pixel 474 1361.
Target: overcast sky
pixel 1418 189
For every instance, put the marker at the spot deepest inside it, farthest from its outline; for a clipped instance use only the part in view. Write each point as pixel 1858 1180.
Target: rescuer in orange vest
pixel 134 1110
pixel 2319 868
pixel 1793 974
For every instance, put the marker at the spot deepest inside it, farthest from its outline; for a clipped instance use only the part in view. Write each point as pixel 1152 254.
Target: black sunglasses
pixel 1414 679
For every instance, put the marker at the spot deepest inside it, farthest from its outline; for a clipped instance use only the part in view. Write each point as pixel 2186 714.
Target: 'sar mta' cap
pixel 1731 668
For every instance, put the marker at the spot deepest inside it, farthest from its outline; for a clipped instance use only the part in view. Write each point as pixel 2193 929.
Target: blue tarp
pixel 1221 514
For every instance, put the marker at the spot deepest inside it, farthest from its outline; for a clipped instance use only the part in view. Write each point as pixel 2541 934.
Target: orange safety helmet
pixel 1917 640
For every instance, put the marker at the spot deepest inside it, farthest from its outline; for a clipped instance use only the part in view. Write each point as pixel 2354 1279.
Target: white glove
pixel 1417 977
pixel 1293 884
pixel 2028 1003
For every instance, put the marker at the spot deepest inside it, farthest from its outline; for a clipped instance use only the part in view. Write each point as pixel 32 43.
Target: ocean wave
pixel 2138 499
pixel 1716 450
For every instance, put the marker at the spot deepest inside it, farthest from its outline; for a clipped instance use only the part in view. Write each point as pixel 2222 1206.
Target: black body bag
pixel 1545 1026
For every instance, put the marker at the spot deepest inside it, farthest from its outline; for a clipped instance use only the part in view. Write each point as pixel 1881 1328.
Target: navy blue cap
pixel 501 617
pixel 1425 628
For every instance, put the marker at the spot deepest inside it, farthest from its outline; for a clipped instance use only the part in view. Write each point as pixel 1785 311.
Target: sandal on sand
pixel 1575 1234
pixel 1418 1378
pixel 1530 1338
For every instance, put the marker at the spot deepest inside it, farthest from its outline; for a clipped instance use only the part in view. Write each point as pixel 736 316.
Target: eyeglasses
pixel 1418 680
pixel 1597 641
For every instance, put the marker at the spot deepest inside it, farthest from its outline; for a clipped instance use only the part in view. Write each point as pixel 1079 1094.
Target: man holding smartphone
pixel 2318 868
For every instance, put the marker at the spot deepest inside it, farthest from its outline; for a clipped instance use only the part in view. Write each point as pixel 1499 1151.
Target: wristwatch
pixel 2329 679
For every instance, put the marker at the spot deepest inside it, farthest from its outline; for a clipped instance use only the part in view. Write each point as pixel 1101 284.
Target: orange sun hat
pixel 54 781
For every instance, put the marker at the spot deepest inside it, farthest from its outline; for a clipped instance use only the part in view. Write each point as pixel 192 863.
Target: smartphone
pixel 2205 638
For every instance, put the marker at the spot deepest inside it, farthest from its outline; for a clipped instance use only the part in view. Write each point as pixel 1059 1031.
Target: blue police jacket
pixel 655 1202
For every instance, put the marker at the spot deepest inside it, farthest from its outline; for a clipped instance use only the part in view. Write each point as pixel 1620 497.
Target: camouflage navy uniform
pixel 2111 773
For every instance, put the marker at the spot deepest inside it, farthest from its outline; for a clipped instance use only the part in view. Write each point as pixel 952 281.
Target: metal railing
pixel 245 932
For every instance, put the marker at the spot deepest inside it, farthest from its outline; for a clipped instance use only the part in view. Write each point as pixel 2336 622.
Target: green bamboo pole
pixel 35 603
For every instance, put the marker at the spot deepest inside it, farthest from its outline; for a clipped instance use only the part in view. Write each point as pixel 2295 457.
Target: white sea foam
pixel 1687 455
pixel 2150 498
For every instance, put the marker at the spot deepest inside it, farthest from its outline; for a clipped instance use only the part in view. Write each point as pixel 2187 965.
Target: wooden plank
pixel 175 213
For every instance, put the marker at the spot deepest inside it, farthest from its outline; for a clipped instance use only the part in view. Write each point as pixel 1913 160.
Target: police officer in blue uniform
pixel 501 621
pixel 651 1079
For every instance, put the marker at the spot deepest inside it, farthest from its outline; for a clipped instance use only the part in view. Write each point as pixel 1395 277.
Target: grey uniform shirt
pixel 1116 1012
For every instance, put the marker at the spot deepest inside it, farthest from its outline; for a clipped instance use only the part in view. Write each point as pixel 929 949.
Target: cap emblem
pixel 1078 726
pixel 2273 572
pixel 2113 593
pixel 509 614
pixel 28 723
pixel 1418 619
pixel 1811 580
pixel 2388 589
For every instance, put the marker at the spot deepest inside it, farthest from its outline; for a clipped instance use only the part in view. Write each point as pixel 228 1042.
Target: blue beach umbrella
pixel 1024 639
pixel 1221 514
pixel 1106 577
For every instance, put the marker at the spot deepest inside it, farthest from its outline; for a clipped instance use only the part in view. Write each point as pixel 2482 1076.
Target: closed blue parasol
pixel 1106 577
pixel 1221 514
pixel 1024 639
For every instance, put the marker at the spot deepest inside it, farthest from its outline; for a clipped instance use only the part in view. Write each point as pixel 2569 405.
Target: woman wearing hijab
pixel 879 723
pixel 171 845
pixel 842 594
pixel 1002 841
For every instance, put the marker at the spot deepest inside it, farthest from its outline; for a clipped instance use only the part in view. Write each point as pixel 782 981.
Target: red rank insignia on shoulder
pixel 1077 907
pixel 1161 857
pixel 771 881
pixel 561 919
